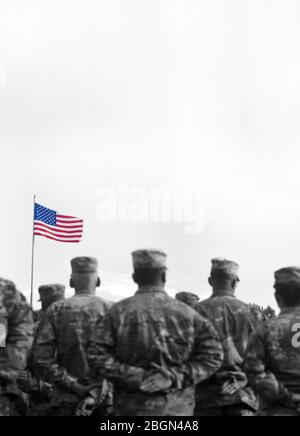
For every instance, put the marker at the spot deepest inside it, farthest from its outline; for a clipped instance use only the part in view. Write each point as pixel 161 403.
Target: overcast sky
pixel 154 93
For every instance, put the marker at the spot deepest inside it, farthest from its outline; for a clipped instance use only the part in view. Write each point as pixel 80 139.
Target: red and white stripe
pixel 68 229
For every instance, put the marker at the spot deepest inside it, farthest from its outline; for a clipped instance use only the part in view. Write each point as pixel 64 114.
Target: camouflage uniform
pixel 147 332
pixel 234 322
pixel 273 359
pixel 39 392
pixel 150 330
pixel 16 332
pixel 60 349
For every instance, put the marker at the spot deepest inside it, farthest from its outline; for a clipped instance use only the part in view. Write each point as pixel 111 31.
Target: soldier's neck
pixel 151 288
pixel 88 291
pixel 223 292
pixel 289 309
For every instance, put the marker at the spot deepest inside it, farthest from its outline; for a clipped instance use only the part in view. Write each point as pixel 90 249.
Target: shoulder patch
pixel 3 335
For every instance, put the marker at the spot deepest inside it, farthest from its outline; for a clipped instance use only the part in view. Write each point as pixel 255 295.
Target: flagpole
pixel 32 254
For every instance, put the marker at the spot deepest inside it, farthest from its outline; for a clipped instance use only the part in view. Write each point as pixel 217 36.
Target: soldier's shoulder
pixel 100 304
pixel 185 311
pixel 211 304
pixel 236 305
pixel 108 303
pixel 267 325
pixel 58 305
pixel 123 304
pixel 222 300
pixel 183 307
pixel 245 307
pixel 137 303
pixel 249 314
pixel 204 303
pixel 242 303
pixel 282 321
pixel 98 300
pixel 52 311
pixel 78 302
pixel 226 304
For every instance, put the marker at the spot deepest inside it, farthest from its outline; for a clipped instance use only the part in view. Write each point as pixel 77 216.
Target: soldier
pixel 273 356
pixel 154 348
pixel 227 393
pixel 16 333
pixel 39 392
pixel 60 350
pixel 188 298
pixel 49 294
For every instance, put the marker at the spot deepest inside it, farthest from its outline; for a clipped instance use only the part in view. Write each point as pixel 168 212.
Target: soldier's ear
pixel 279 300
pixel 234 283
pixel 134 277
pixel 98 282
pixel 209 281
pixel 164 277
pixel 71 283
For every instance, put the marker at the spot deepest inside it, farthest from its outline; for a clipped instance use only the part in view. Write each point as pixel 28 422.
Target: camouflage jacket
pixel 273 355
pixel 60 348
pixel 16 335
pixel 234 321
pixel 150 331
pixel 38 390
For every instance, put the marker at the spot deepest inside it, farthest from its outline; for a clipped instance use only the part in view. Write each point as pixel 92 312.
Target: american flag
pixel 62 228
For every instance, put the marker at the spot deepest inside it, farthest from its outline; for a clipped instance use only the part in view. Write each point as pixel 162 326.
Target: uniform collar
pixel 84 294
pixel 150 289
pixel 290 310
pixel 223 293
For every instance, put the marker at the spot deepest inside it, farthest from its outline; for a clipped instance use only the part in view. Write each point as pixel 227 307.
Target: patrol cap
pixel 7 285
pixel 149 259
pixel 186 296
pixel 52 292
pixel 84 265
pixel 224 267
pixel 288 276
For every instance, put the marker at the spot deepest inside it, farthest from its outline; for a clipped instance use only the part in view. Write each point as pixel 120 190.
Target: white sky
pixel 158 92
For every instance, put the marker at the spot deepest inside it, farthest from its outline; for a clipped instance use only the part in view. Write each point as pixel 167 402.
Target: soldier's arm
pixel 256 319
pixel 29 384
pixel 103 361
pixel 19 338
pixel 207 356
pixel 45 355
pixel 263 381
